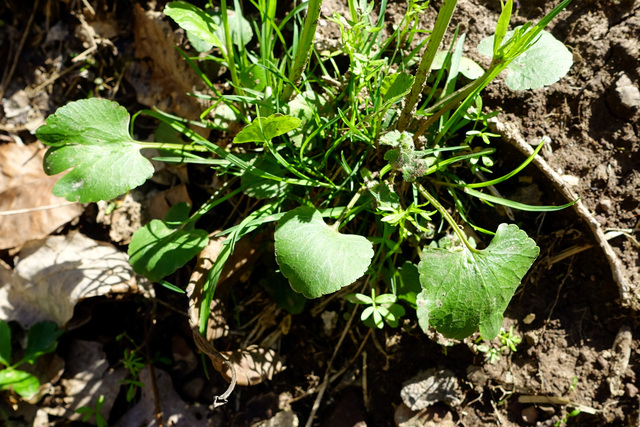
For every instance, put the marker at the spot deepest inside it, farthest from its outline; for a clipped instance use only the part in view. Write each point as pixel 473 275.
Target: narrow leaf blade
pixel 5 343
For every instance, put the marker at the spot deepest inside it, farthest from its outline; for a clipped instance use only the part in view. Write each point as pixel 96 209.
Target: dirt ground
pixel 578 319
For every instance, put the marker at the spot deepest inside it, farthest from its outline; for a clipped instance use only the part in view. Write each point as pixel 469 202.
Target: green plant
pixel 42 338
pixel 88 412
pixel 362 147
pixel 380 309
pixel 508 341
pixel 570 414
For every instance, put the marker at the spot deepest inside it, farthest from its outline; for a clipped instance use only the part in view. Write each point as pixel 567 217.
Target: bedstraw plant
pixel 362 155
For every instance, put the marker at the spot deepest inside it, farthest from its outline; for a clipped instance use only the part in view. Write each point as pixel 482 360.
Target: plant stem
pixel 351 204
pixel 171 146
pixel 434 202
pixel 229 55
pixel 442 22
pixel 304 48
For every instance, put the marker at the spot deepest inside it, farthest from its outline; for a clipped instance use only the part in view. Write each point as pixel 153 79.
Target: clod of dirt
pixel 429 387
pixel 428 417
pixel 625 100
pixel 529 415
pixel 281 419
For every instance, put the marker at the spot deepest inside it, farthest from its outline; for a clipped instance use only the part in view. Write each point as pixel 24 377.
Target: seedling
pixel 42 338
pixel 89 412
pixel 355 167
pixel 508 340
pixel 380 309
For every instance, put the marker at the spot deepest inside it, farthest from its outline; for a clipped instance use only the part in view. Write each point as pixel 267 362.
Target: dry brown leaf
pixel 164 79
pixel 25 186
pixel 253 365
pixel 175 411
pixel 53 274
pixel 86 378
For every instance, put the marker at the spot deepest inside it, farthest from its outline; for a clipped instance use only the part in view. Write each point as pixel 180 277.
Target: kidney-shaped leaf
pixel 544 63
pixel 91 137
pixel 264 129
pixel 317 259
pixel 463 289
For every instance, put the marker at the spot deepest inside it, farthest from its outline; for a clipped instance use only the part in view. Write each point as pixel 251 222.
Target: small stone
pixel 602 220
pixel 531 338
pixel 625 100
pixel 631 390
pixel 529 415
pixel 529 318
pixel 606 205
pixel 602 362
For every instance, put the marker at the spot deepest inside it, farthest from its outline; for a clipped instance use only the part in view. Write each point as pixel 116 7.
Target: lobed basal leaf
pixel 91 137
pixel 463 289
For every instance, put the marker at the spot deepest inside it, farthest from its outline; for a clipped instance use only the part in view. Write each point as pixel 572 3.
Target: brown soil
pixel 580 335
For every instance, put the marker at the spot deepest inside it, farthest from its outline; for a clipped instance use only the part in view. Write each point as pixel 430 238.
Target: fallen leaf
pixel 175 411
pixel 87 377
pixel 53 274
pixel 429 387
pixel 25 187
pixel 253 365
pixel 165 78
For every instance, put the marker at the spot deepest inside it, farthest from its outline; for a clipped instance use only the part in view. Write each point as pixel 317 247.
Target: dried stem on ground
pixel 512 135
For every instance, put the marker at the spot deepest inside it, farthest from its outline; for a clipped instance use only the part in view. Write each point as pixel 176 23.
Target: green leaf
pixel 23 383
pixel 396 86
pixel 467 67
pixel 263 188
pixel 91 137
pixel 239 28
pixel 254 77
pixel 464 290
pixel 5 343
pixel 502 26
pixel 317 259
pixel 385 299
pixel 265 129
pixel 409 283
pixel 544 63
pixel 194 20
pixel 41 339
pixel 160 247
pixel 359 299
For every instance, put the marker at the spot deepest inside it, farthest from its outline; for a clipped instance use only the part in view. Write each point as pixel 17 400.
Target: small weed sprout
pixel 88 412
pixel 508 342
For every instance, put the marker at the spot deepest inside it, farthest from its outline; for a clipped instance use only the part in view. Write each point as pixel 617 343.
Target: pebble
pixel 602 362
pixel 631 390
pixel 529 415
pixel 625 101
pixel 606 205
